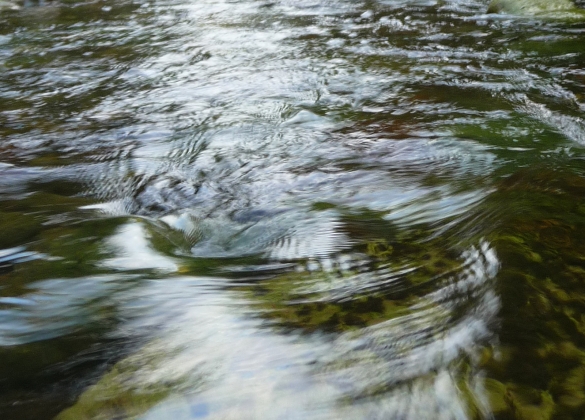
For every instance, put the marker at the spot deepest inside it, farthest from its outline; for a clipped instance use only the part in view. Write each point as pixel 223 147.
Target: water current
pixel 290 209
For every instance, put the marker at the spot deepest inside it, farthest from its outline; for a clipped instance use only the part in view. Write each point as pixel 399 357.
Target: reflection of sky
pixel 133 251
pixel 16 180
pixel 221 363
pixel 55 307
pixel 60 306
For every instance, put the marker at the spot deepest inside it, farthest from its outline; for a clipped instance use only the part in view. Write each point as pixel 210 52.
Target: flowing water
pixel 290 209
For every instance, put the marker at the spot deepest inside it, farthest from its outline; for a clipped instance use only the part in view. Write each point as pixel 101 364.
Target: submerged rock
pixel 4 4
pixel 119 393
pixel 556 9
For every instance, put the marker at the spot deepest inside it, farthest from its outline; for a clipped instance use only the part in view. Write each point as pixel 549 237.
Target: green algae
pixel 120 393
pixel 274 300
pixel 17 228
pixel 537 370
pixel 337 300
pixel 496 397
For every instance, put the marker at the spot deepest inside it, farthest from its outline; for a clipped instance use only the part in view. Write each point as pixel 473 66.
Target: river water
pixel 308 209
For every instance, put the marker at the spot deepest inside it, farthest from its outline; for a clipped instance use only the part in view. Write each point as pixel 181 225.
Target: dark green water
pixel 308 209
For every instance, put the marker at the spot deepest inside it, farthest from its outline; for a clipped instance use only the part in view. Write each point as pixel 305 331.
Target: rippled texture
pixel 291 209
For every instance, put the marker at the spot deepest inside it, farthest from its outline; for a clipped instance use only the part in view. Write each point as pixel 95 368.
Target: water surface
pixel 291 209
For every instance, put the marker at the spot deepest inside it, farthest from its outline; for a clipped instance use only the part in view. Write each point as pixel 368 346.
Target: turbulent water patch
pixel 307 209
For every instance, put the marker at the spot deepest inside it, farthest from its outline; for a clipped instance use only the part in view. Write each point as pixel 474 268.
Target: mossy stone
pixel 120 393
pixel 558 9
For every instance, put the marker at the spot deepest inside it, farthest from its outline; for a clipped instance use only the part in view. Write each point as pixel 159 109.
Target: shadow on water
pixel 290 210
